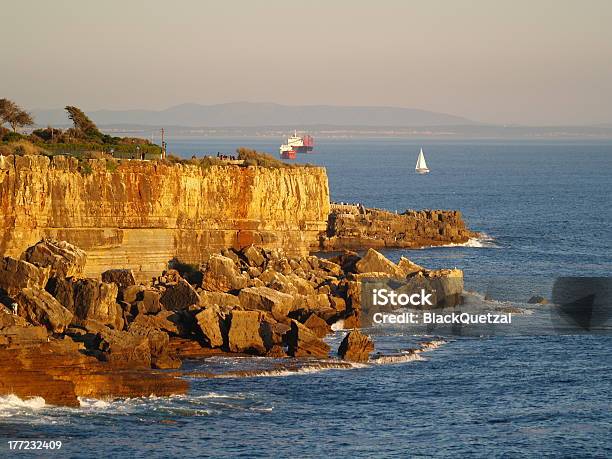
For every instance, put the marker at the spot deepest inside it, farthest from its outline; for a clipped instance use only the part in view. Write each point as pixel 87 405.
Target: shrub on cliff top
pixel 258 158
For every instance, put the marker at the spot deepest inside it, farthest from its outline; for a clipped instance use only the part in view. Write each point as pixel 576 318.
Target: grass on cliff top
pixel 249 156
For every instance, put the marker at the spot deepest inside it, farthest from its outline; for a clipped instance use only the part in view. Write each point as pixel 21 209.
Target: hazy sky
pixel 529 62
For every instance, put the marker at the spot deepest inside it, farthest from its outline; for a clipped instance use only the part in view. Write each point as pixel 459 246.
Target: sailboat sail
pixel 421 165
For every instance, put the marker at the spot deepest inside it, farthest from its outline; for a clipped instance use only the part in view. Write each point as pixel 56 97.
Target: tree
pixel 82 122
pixel 14 115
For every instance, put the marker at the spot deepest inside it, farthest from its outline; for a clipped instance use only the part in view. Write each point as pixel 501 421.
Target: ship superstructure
pixel 296 144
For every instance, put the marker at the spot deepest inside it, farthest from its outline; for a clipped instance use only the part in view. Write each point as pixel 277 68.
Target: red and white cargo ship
pixel 296 144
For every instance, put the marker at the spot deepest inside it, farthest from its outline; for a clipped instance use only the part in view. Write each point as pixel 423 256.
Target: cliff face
pixel 143 214
pixel 355 227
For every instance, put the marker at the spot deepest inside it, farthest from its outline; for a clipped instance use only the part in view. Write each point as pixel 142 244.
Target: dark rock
pixel 122 277
pixel 94 300
pixel 62 258
pixel 18 274
pixel 537 299
pixel 179 296
pixel 302 342
pixel 356 347
pixel 38 307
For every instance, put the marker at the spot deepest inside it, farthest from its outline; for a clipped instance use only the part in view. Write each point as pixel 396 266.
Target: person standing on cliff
pixel 14 307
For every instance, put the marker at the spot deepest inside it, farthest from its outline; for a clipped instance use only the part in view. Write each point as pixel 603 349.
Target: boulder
pixel 266 299
pixel 124 349
pixel 329 266
pixel 94 300
pixel 213 326
pixel 132 293
pixel 356 347
pixel 302 342
pixel 62 290
pixel 161 321
pixel 62 258
pixel 122 277
pixel 407 267
pixel 225 300
pixel 38 307
pixel 18 274
pixel 179 296
pixel 537 299
pixel 375 262
pixel 318 326
pixel 222 275
pixel 249 332
pixel 253 256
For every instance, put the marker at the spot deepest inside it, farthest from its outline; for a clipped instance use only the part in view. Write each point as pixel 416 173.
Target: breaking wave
pixel 408 355
pixel 482 241
pixel 11 403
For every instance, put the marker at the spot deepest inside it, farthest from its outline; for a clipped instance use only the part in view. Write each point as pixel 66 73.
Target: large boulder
pixel 375 262
pixel 19 274
pixel 266 299
pixel 38 307
pixel 356 347
pixel 317 325
pixel 63 258
pixel 212 324
pixel 179 296
pixel 249 332
pixel 155 329
pixel 222 275
pixel 253 256
pixel 95 300
pixel 218 299
pixel 302 342
pixel 122 277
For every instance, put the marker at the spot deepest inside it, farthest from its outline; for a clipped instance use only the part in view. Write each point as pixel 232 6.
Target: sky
pixel 535 62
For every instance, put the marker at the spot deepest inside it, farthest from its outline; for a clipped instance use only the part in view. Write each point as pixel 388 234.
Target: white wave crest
pixel 12 402
pixel 482 241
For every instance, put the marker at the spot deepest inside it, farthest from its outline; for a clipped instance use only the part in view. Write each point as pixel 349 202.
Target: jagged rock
pixel 213 327
pixel 38 307
pixel 179 296
pixel 276 352
pixel 222 275
pixel 161 321
pixel 266 299
pixel 22 336
pixel 407 267
pixel 253 272
pixel 18 274
pixel 132 293
pixel 347 261
pixel 537 299
pixel 375 262
pixel 356 347
pixel 249 332
pixel 62 290
pixel 150 303
pixel 171 276
pixel 253 256
pixel 63 258
pixel 329 266
pixel 124 349
pixel 302 286
pixel 352 320
pixel 318 326
pixel 122 277
pixel 8 319
pixel 218 299
pixel 302 342
pixel 94 300
pixel 337 303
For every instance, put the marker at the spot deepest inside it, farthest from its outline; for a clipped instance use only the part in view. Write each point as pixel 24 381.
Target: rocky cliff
pixel 142 214
pixel 355 227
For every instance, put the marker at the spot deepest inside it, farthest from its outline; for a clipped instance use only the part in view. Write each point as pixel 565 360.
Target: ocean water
pixel 544 209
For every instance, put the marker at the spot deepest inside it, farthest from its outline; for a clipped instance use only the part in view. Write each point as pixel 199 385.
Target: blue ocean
pixel 543 208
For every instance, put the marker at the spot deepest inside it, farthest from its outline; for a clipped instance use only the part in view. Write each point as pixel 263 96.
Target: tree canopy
pixel 82 122
pixel 14 115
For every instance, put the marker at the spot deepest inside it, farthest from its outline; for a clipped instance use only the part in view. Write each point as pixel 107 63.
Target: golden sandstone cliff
pixel 142 214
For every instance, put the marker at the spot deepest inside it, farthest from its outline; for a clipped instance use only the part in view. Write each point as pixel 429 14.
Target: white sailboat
pixel 421 165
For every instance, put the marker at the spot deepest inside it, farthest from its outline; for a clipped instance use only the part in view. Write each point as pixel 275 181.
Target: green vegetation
pixel 14 115
pixel 258 158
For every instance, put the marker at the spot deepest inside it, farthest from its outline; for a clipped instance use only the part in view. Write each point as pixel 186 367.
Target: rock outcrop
pixel 355 227
pixel 356 347
pixel 62 258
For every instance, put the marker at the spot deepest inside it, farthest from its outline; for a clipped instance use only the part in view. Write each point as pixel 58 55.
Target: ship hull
pixel 289 154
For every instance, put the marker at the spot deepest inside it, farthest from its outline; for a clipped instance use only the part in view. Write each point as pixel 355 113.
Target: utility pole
pixel 163 145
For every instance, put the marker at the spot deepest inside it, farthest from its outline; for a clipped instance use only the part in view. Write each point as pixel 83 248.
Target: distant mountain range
pixel 246 114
